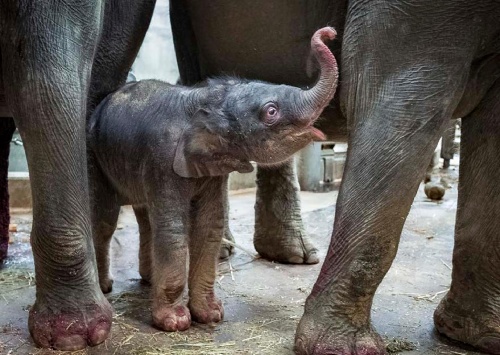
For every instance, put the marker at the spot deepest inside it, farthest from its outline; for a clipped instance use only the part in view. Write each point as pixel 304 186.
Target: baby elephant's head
pixel 237 121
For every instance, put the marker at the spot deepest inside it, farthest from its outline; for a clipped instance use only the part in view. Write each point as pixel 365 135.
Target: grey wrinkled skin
pixel 58 61
pixel 54 56
pixel 407 68
pixel 167 151
pixel 280 217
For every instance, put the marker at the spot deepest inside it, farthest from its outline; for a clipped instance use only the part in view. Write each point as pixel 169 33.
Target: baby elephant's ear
pixel 202 152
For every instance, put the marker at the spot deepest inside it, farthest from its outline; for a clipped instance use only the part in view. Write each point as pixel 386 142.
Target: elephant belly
pixel 483 74
pixel 124 178
pixel 257 39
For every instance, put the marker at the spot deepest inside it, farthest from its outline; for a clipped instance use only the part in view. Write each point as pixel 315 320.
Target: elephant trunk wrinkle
pixel 323 91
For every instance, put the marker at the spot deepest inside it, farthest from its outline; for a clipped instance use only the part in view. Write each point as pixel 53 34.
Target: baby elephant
pixel 167 151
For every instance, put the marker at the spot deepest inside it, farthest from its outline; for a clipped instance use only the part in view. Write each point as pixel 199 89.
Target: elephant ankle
pixel 285 245
pixel 469 321
pixel 332 332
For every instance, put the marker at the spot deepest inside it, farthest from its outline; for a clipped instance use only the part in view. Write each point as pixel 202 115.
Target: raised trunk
pixel 320 95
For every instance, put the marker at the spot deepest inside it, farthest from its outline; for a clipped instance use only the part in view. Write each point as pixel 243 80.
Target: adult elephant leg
pixel 7 128
pixel 395 105
pixel 448 143
pixel 279 230
pixel 368 222
pixel 125 25
pixel 47 57
pixel 433 187
pixel 470 312
pixel 433 166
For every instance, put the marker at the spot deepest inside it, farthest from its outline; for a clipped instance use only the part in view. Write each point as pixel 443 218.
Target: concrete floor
pixel 263 300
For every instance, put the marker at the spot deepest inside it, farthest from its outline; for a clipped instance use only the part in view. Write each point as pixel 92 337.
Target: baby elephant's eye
pixel 270 113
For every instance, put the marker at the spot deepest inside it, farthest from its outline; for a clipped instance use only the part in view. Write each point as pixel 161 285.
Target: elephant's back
pixel 131 113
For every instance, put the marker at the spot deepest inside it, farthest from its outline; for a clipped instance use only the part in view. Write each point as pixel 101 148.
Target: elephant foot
pixel 86 322
pixel 316 337
pixel 172 318
pixel 226 249
pixel 434 191
pixel 206 309
pixel 287 246
pixel 279 230
pixel 468 325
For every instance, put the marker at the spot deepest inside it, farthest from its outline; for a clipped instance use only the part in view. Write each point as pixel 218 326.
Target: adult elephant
pixel 407 67
pixel 59 59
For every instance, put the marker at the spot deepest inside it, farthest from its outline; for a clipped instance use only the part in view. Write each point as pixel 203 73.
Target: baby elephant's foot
pixel 206 309
pixel 172 318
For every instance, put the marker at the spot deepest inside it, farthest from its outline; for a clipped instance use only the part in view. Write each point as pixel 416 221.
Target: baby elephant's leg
pixel 105 209
pixel 168 214
pixel 142 216
pixel 207 229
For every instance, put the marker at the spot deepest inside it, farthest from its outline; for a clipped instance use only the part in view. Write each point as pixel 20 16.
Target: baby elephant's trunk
pixel 320 95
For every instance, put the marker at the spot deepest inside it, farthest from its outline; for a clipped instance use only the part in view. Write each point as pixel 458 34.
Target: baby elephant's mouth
pixel 320 136
pixel 316 133
pixel 311 132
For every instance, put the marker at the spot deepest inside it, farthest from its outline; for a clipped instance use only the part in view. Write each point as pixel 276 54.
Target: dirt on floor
pixel 263 300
